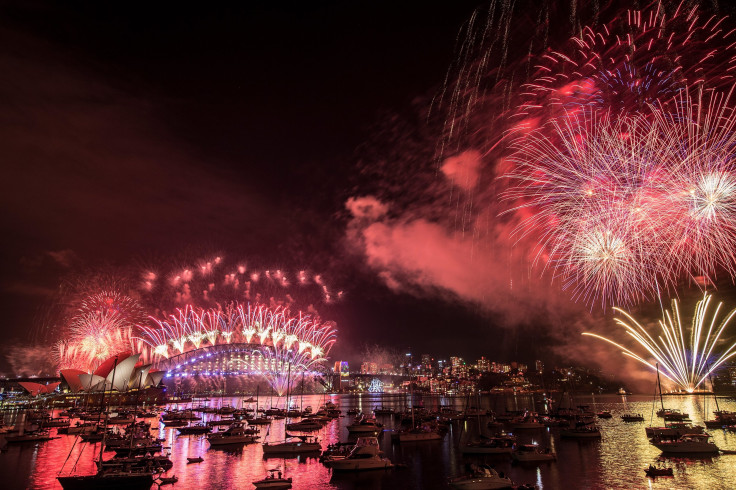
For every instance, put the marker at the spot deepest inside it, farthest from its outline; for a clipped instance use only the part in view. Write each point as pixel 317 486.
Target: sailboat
pixel 417 433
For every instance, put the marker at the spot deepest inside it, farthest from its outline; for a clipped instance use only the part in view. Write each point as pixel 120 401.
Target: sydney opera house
pixel 123 372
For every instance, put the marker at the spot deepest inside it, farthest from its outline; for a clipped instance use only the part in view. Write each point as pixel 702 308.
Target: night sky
pixel 136 131
pixel 137 134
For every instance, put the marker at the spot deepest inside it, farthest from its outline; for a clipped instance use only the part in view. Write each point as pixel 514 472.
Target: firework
pixel 639 59
pixel 685 363
pixel 281 342
pixel 101 327
pixel 622 206
pixel 207 283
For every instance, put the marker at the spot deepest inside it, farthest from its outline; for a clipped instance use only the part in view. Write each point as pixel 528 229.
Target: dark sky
pixel 129 130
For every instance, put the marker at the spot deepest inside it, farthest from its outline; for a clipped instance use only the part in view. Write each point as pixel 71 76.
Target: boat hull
pixel 122 482
pixel 359 465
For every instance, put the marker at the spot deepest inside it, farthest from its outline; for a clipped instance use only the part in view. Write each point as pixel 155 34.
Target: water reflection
pixel 615 461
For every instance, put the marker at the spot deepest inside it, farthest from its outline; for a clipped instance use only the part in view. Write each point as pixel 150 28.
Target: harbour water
pixel 617 460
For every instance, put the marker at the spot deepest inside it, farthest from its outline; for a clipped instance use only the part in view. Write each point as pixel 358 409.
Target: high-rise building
pixel 458 367
pixel 483 365
pixel 426 363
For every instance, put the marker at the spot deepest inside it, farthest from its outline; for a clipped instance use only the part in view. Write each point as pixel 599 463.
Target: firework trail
pixel 286 342
pixel 685 363
pixel 216 281
pixel 642 57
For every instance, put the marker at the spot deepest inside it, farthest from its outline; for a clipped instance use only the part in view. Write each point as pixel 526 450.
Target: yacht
pixel 293 445
pixel 304 425
pixel 526 421
pixel 582 430
pixel 235 434
pixel 35 436
pixel 115 478
pixel 689 443
pixel 674 430
pixel 418 434
pixel 365 455
pixel 195 429
pixel 532 453
pixel 490 445
pixel 381 410
pixel 274 479
pixel 482 477
pixel 365 426
pixel 632 417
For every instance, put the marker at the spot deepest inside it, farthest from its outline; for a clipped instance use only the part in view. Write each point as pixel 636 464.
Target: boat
pixel 653 471
pixel 528 421
pixel 274 479
pixel 481 477
pixel 31 436
pixel 632 417
pixel 528 453
pixel 365 455
pixel 381 410
pixel 582 430
pixel 197 459
pixel 674 430
pixel 672 415
pixel 78 428
pixel 490 445
pixel 159 462
pixel 194 429
pixel 304 425
pixel 604 414
pixel 138 449
pixel 235 434
pixel 167 480
pixel 353 411
pixel 293 445
pixel 688 443
pixel 110 479
pixel 418 434
pixel 364 425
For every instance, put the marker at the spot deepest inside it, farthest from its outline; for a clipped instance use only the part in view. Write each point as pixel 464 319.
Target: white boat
pixel 274 479
pixel 364 426
pixel 235 434
pixel 364 456
pixel 293 445
pixel 674 430
pixel 689 443
pixel 482 477
pixel 528 453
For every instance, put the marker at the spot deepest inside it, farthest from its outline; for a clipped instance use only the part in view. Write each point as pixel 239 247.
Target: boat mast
pixel 712 387
pixel 659 385
pixel 102 409
pixel 411 400
pixel 288 380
